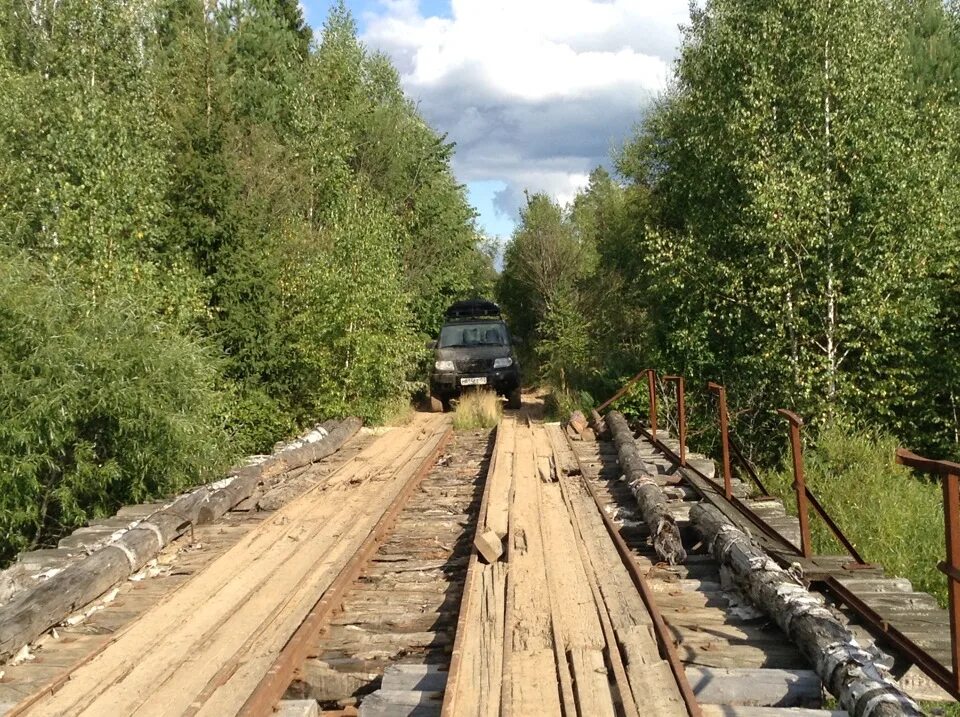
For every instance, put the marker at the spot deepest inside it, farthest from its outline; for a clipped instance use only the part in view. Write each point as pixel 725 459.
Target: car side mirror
pixel 516 341
pixel 431 345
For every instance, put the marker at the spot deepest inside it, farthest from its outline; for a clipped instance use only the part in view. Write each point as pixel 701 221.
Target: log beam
pixel 649 496
pixel 851 673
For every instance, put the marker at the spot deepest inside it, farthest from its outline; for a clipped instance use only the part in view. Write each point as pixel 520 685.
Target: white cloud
pixel 534 92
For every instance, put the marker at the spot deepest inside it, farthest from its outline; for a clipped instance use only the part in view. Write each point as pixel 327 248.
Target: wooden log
pixel 653 504
pixel 853 675
pixel 249 477
pixel 49 602
pixel 599 425
pixel 27 616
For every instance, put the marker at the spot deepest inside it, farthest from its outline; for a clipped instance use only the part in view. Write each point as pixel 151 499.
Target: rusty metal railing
pixel 949 474
pixel 947 471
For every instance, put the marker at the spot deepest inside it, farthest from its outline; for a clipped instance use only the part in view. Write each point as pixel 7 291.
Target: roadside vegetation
pixel 477 409
pixel 216 228
pixel 785 221
pixel 891 517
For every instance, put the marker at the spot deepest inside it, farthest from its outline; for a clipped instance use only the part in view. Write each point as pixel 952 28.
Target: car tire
pixel 514 400
pixel 436 404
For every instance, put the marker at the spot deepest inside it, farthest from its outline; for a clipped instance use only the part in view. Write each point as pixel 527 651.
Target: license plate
pixel 473 381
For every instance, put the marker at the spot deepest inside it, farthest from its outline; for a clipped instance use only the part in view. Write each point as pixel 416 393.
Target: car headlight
pixel 503 362
pixel 445 366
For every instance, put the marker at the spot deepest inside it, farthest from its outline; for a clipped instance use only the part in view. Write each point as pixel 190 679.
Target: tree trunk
pixel 852 674
pixel 653 506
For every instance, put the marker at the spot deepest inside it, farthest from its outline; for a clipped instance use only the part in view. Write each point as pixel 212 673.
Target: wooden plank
pixel 530 684
pixel 205 646
pixel 628 616
pixel 578 633
pixel 763 687
pixel 501 477
pixel 563 456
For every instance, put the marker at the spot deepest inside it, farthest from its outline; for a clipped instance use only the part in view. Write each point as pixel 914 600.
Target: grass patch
pixel 559 404
pixel 892 517
pixel 398 412
pixel 477 409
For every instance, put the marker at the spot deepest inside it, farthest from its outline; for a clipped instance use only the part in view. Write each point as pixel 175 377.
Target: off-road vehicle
pixel 474 350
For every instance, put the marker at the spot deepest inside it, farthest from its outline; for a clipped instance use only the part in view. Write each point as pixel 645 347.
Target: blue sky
pixel 535 93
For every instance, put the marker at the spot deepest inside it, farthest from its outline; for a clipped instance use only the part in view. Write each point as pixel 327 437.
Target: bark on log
pixel 34 610
pixel 249 477
pixel 599 425
pixel 851 673
pixel 650 498
pixel 51 601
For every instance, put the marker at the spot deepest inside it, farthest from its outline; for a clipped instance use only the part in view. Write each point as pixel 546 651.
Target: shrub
pixel 892 517
pixel 478 409
pixel 101 403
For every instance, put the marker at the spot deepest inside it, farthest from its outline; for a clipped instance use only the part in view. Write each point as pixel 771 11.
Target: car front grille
pixel 474 366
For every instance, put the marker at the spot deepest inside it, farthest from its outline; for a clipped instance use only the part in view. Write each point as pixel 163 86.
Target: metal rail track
pixel 430 521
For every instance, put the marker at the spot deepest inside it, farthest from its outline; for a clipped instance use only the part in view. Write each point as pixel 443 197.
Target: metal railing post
pixel 951 517
pixel 724 437
pixel 652 391
pixel 949 473
pixel 681 416
pixel 799 480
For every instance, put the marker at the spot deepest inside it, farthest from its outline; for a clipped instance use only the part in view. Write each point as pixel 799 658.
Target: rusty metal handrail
pixel 721 392
pixel 681 416
pixel 623 390
pixel 949 473
pixel 805 496
pixel 799 481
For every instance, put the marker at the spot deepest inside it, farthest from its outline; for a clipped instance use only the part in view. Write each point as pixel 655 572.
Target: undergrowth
pixel 478 409
pixel 101 404
pixel 893 517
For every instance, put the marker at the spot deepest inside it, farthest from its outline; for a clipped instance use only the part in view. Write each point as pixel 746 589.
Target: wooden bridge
pixel 538 569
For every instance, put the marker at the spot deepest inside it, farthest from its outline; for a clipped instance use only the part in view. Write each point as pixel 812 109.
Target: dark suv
pixel 474 350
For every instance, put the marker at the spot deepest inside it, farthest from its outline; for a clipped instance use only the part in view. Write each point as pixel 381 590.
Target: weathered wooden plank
pixel 763 687
pixel 529 677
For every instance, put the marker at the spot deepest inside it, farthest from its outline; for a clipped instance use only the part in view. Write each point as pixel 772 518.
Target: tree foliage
pixel 252 222
pixel 785 221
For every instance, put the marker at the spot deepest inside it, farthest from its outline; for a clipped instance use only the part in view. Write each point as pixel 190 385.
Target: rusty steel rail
pixel 271 689
pixel 661 631
pixel 881 628
pixel 949 474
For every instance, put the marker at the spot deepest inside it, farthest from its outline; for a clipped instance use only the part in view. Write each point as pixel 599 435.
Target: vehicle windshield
pixel 456 335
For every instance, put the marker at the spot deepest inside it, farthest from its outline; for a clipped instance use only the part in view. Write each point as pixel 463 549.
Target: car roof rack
pixel 473 309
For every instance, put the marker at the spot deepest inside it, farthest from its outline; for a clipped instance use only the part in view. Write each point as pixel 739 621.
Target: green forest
pixel 784 221
pixel 217 227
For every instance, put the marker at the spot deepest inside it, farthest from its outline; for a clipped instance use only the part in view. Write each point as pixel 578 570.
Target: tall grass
pixel 478 409
pixel 893 517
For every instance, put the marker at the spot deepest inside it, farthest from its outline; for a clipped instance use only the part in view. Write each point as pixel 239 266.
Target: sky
pixel 535 93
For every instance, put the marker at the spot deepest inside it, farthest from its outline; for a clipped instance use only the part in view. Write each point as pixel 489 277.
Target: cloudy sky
pixel 535 93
